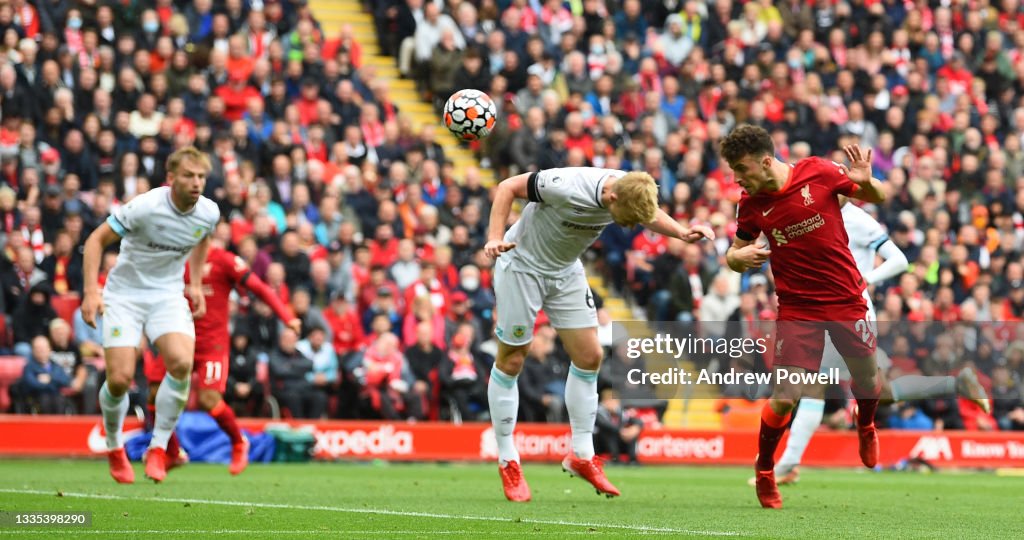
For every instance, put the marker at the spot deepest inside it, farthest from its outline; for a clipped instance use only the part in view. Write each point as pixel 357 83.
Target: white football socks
pixel 581 402
pixel 805 423
pixel 114 411
pixel 910 387
pixel 503 401
pixel 170 401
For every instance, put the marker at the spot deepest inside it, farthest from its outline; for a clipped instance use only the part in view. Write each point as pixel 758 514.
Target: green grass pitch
pixel 346 500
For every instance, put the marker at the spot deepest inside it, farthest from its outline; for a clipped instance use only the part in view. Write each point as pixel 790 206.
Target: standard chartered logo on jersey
pixel 798 229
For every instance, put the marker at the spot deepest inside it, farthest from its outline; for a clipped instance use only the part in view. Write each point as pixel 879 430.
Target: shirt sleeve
pixel 746 229
pixel 553 186
pixel 835 178
pixel 128 217
pixel 863 230
pixel 233 266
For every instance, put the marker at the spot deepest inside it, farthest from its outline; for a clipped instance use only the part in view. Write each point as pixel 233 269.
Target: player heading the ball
pixel 539 267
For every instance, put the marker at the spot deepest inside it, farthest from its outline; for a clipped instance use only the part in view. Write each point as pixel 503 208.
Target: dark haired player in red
pixel 224 271
pixel 819 287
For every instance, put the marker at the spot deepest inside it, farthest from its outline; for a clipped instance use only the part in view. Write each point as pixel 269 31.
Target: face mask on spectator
pixel 470 284
pixel 74 23
pixel 151 26
pixel 301 172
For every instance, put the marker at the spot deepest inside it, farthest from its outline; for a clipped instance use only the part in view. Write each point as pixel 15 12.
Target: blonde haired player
pixel 158 231
pixel 539 267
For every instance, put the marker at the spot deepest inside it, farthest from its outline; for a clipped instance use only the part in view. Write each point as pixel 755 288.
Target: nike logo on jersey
pixel 768 211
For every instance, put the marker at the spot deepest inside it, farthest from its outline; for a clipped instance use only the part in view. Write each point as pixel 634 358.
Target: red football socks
pixel 867 403
pixel 173 447
pixel 225 418
pixel 772 427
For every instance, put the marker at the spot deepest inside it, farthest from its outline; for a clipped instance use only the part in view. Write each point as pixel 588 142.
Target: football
pixel 470 114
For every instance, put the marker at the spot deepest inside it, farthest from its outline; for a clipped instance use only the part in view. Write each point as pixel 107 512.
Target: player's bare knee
pixel 813 391
pixel 785 397
pixel 590 360
pixel 783 405
pixel 118 381
pixel 511 358
pixel 208 399
pixel 180 367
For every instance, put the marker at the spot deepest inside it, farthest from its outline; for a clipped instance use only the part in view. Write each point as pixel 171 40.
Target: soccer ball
pixel 470 114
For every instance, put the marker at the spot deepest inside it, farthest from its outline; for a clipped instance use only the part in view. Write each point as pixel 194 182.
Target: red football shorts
pixel 210 370
pixel 801 333
pixel 153 366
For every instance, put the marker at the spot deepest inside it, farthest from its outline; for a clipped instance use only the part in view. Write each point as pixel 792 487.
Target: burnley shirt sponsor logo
pixel 163 247
pixel 581 227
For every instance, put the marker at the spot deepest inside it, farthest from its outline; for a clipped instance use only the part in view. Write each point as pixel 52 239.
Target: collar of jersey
pixel 789 182
pixel 175 208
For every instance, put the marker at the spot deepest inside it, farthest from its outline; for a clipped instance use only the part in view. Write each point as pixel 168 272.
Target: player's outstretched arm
pixel 663 224
pixel 196 263
pixel 504 195
pixel 894 263
pixel 92 303
pixel 859 172
pixel 270 298
pixel 745 255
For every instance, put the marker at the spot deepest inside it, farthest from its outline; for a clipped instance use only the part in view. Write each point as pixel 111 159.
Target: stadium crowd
pixel 361 224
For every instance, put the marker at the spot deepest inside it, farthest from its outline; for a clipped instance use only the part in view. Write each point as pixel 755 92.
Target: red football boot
pixel 512 480
pixel 767 489
pixel 179 460
pixel 156 464
pixel 120 468
pixel 868 438
pixel 239 456
pixel 592 471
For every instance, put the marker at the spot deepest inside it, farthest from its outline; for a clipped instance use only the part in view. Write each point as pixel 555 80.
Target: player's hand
pixel 296 325
pixel 92 305
pixel 859 169
pixel 752 256
pixel 697 232
pixel 495 248
pixel 198 299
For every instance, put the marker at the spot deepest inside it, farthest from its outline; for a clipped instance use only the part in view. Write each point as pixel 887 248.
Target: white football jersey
pixel 563 218
pixel 156 240
pixel 866 236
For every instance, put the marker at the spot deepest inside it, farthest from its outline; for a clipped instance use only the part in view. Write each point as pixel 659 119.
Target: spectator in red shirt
pixel 384 246
pixel 236 95
pixel 345 326
pixel 309 98
pixel 959 77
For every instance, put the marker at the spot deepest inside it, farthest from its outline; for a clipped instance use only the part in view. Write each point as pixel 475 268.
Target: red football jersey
pixel 223 272
pixel 811 256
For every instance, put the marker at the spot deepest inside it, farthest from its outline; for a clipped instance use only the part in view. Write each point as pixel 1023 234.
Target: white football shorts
pixel 125 320
pixel 566 300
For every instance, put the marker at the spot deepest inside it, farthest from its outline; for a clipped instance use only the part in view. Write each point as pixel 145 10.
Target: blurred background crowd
pixel 359 221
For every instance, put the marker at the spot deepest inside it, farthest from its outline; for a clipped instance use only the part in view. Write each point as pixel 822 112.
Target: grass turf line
pixel 465 501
